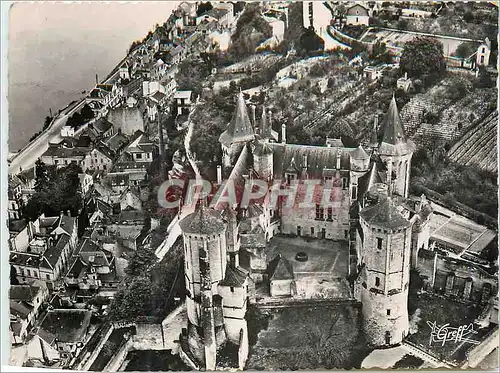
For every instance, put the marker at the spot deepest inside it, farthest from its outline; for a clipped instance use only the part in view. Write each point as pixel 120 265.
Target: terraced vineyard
pixel 478 146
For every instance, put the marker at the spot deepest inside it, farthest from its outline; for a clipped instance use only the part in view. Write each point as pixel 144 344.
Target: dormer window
pixel 344 183
pixel 290 178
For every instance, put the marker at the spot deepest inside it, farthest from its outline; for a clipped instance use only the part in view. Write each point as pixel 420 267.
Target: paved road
pixel 27 157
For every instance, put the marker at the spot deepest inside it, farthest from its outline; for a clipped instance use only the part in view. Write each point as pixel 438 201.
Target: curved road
pixel 27 157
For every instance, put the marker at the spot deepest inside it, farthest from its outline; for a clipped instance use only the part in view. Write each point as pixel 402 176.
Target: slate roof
pixel 318 158
pixel 280 269
pixel 116 142
pixel 23 259
pixel 53 253
pixel 103 148
pixel 384 214
pixel 53 151
pixel 67 223
pixel 19 309
pixel 240 128
pixel 68 326
pixel 203 221
pixel 393 138
pixel 359 153
pixel 23 293
pixel 234 277
pixel 262 148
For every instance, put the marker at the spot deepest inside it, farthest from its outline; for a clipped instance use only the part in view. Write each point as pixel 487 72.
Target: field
pixel 478 147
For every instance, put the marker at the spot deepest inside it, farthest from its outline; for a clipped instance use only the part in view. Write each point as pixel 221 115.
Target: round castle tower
pixel 383 283
pixel 205 262
pixel 396 151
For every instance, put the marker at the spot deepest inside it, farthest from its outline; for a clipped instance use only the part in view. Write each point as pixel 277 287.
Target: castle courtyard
pixel 324 272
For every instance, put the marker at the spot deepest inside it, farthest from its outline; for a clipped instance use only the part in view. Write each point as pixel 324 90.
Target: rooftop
pixel 384 214
pixel 203 221
pixel 67 326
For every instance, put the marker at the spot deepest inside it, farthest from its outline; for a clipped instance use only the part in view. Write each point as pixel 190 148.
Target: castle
pixel 368 206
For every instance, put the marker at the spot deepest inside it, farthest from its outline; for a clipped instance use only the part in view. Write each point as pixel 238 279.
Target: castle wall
pixel 128 119
pixel 263 165
pixel 305 218
pixel 233 328
pixel 378 324
pixel 400 165
pixel 280 287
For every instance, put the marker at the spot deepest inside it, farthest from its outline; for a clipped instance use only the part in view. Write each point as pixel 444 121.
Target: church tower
pixel 382 285
pixel 238 132
pixel 396 151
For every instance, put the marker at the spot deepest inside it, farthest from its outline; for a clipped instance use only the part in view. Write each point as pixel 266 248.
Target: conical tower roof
pixel 374 135
pixel 394 140
pixel 240 127
pixel 393 132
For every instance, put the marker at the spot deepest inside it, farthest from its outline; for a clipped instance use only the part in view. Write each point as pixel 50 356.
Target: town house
pixel 25 304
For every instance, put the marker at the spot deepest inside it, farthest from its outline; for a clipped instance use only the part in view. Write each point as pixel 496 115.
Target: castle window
pixel 344 183
pixel 364 284
pixel 377 281
pixel 388 312
pixel 319 212
pixel 299 230
pixel 329 214
pixel 312 231
pixel 354 192
pixel 379 243
pixel 232 289
pixel 346 234
pixel 323 233
pixel 290 178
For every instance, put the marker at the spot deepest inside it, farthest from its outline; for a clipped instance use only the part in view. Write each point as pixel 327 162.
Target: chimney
pixel 219 174
pixel 270 121
pixel 68 212
pixel 252 108
pixel 304 161
pixel 283 133
pixel 96 79
pixel 61 213
pixel 406 75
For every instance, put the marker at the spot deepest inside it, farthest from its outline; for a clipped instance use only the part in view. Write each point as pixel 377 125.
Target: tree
pixel 203 8
pixel 310 41
pixel 87 112
pixel 465 50
pixel 423 57
pixel 142 259
pixel 47 121
pixel 484 79
pixel 132 301
pixel 41 176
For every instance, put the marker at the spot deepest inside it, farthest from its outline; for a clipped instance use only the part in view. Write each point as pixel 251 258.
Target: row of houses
pixel 58 273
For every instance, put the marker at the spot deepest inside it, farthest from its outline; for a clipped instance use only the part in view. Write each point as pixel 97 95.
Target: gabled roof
pixel 103 149
pixel 102 125
pixel 53 253
pixel 280 269
pixel 23 293
pixel 67 223
pixel 240 128
pixel 116 142
pixel 359 153
pixel 19 309
pixel 234 277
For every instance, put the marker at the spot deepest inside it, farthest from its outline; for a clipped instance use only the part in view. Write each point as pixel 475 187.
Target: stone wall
pixel 127 119
pixel 479 352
